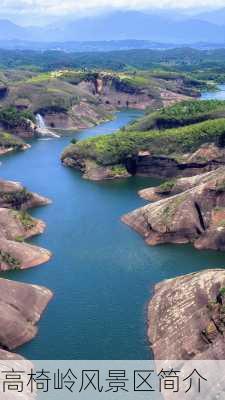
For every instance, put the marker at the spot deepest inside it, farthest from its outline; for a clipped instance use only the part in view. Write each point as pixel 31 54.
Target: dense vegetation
pixel 180 59
pixel 15 199
pixel 7 141
pixel 115 148
pixel 26 220
pixel 10 117
pixel 180 114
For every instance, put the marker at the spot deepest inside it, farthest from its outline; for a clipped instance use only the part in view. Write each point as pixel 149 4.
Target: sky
pixel 35 11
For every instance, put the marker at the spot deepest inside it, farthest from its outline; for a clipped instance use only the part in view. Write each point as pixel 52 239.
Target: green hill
pixel 180 114
pixel 114 149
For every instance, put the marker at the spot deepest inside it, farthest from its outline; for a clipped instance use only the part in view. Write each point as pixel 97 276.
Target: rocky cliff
pixel 183 151
pixel 73 100
pixel 193 212
pixel 186 317
pixel 122 90
pixel 206 158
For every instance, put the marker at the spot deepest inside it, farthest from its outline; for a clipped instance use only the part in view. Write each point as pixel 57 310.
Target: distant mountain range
pixel 123 25
pixel 216 17
pixel 102 46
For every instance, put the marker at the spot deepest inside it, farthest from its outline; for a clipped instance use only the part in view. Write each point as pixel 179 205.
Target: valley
pixel 126 131
pixel 98 273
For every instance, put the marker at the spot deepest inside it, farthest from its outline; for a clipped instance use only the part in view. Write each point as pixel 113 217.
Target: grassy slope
pixel 10 117
pixel 59 90
pixel 181 114
pixel 113 149
pixel 44 94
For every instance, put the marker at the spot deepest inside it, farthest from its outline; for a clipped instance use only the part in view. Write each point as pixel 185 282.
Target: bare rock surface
pixel 176 186
pixel 16 225
pixel 206 158
pixel 196 214
pixel 12 361
pixel 16 255
pixel 186 317
pixel 21 306
pixel 15 195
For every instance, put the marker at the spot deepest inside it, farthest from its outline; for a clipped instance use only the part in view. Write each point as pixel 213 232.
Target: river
pixel 102 273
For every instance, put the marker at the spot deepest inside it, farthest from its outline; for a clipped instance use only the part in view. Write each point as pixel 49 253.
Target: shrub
pixel 181 114
pixel 27 221
pixel 116 148
pixel 166 187
pixel 11 118
pixel 15 199
pixel 10 260
pixel 74 141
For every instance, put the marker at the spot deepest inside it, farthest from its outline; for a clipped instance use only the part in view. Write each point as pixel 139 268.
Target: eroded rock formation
pixel 16 225
pixel 21 307
pixel 195 214
pixel 181 310
pixel 208 157
pixel 15 195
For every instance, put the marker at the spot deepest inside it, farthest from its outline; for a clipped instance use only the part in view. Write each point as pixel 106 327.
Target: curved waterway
pixel 102 272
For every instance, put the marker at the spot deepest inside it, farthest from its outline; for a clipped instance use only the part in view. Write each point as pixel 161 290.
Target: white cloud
pixel 66 7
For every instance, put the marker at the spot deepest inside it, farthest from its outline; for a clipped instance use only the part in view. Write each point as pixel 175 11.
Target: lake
pixel 102 273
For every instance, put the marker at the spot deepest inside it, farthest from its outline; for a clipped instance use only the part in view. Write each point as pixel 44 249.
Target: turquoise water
pixel 102 272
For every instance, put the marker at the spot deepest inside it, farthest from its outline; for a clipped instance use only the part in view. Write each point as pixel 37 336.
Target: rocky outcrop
pixel 176 186
pixel 21 255
pixel 15 195
pixel 95 172
pixel 16 225
pixel 27 129
pixel 206 158
pixel 11 361
pixel 10 143
pixel 181 314
pixel 80 116
pixel 119 91
pixel 195 215
pixel 21 306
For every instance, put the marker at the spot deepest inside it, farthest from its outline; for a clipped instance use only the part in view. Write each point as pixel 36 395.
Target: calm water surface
pixel 102 272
